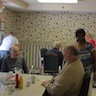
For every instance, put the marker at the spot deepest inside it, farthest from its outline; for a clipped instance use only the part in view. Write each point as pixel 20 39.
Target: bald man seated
pixel 14 60
pixel 68 82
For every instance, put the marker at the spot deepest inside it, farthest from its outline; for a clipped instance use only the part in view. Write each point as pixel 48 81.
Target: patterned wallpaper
pixel 46 27
pixel 9 21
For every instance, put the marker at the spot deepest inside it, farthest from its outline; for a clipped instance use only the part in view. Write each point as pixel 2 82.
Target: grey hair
pixel 73 49
pixel 56 44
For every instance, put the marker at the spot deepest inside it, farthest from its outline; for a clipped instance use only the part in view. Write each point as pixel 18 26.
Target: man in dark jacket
pixel 55 49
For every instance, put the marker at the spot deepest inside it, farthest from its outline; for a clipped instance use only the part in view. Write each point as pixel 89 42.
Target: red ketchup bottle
pixel 17 81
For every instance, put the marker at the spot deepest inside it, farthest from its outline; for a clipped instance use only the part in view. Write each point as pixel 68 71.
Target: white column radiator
pixel 31 53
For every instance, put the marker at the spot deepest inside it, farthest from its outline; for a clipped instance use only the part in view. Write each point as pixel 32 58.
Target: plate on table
pixel 7 81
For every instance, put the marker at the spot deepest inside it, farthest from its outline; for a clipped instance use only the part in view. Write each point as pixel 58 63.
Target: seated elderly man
pixel 14 60
pixel 68 82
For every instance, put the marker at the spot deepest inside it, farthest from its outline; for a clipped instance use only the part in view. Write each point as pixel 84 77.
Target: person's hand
pixel 45 83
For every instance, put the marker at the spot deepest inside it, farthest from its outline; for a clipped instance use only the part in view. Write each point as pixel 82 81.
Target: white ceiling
pixel 33 5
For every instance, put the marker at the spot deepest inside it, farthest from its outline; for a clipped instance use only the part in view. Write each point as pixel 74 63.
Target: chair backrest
pixel 85 85
pixel 41 55
pixel 51 63
pixel 43 51
pixel 1 59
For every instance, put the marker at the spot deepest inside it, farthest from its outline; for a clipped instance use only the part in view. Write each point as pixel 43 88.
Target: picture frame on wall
pixel 2 28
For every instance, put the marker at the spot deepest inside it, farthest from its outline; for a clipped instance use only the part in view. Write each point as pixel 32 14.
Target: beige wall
pixel 40 29
pixel 46 27
pixel 10 18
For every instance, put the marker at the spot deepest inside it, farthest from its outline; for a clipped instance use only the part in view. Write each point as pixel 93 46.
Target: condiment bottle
pixel 21 82
pixel 17 81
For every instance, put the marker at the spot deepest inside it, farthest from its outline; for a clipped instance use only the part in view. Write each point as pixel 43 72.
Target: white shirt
pixel 8 42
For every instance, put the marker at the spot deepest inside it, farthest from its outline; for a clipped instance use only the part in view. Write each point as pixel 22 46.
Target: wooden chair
pixel 86 84
pixel 41 55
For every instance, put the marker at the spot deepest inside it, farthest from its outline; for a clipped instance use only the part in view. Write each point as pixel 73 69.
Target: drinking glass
pixel 18 70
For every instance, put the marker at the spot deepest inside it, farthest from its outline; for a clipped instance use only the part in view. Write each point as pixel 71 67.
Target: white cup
pixel 28 82
pixel 33 79
pixel 17 70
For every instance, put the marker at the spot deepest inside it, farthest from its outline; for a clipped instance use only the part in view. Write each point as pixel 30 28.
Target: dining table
pixel 31 88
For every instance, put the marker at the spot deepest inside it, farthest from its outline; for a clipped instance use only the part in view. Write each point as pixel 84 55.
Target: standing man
pixel 55 49
pixel 7 43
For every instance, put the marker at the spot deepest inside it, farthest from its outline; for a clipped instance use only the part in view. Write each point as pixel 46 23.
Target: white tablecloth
pixel 35 89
